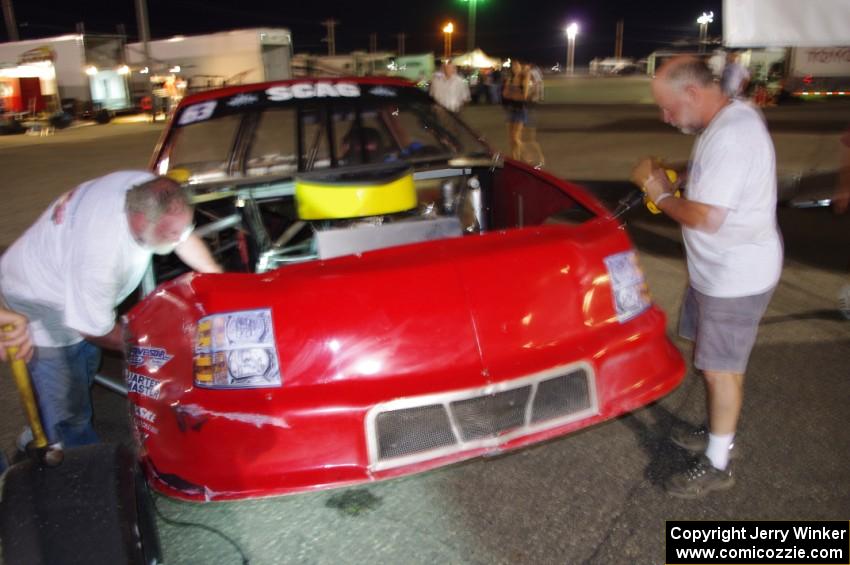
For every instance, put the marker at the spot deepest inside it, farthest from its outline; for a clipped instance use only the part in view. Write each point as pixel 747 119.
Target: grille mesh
pixel 559 396
pixel 486 416
pixel 412 430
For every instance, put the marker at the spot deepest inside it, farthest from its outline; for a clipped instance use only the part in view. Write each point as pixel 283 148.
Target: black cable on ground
pixel 219 533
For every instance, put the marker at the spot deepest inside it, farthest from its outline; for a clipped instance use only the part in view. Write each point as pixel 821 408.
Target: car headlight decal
pixel 628 287
pixel 236 350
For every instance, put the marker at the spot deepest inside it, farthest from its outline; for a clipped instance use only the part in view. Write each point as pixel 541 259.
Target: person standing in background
pixel 735 77
pixel 449 89
pixel 515 99
pixel 535 97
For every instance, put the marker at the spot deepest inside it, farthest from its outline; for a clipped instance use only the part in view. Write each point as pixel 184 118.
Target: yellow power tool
pixel 650 205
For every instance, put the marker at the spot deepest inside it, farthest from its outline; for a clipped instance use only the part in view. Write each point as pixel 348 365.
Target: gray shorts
pixel 724 329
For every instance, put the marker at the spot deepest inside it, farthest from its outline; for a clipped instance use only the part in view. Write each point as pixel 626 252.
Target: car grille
pixel 408 430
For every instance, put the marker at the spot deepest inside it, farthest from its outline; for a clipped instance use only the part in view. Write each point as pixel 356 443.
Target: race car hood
pixel 462 311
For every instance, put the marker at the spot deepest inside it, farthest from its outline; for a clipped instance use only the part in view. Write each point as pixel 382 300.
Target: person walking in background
pixel 535 97
pixel 733 248
pixel 449 89
pixel 735 77
pixel 515 100
pixel 496 86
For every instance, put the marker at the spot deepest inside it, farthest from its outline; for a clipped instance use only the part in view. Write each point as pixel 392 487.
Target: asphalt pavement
pixel 594 496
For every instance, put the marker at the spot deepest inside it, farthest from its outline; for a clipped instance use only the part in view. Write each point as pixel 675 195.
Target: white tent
pixel 476 58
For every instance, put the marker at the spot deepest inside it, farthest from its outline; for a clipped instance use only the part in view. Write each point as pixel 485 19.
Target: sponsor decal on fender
pixel 145 420
pixel 142 385
pixel 150 357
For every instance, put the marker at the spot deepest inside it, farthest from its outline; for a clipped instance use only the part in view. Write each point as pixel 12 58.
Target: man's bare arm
pixel 195 253
pixel 113 340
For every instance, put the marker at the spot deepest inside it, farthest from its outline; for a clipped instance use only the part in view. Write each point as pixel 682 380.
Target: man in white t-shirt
pixel 449 89
pixel 733 246
pixel 67 273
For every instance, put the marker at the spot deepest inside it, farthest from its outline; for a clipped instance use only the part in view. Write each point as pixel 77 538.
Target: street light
pixel 572 31
pixel 703 22
pixel 447 40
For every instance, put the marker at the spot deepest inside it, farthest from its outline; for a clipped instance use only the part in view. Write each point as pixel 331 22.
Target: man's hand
pixel 14 333
pixel 651 177
pixel 642 170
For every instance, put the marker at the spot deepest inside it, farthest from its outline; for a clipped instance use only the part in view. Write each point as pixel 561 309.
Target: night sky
pixel 529 29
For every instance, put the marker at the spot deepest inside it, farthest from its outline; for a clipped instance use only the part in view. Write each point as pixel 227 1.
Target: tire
pixel 61 120
pixel 84 511
pixel 102 117
pixel 11 127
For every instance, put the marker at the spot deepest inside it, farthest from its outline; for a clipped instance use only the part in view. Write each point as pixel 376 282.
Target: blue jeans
pixel 62 378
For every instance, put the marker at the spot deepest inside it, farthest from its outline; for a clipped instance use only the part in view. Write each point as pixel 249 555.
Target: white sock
pixel 718 449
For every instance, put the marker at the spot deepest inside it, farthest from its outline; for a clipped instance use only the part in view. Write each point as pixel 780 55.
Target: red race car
pixel 398 298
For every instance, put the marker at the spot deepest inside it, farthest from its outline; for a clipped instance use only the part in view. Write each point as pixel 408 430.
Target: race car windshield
pixel 244 136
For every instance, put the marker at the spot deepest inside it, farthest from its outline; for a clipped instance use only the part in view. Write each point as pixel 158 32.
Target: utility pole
pixel 330 25
pixel 470 37
pixel 144 37
pixel 11 24
pixel 618 46
pixel 373 48
pixel 401 37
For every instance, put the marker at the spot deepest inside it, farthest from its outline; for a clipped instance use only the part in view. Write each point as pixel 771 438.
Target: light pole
pixel 571 31
pixel 470 24
pixel 447 40
pixel 703 22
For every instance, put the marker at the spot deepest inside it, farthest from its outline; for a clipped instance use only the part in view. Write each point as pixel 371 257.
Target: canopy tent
pixel 476 58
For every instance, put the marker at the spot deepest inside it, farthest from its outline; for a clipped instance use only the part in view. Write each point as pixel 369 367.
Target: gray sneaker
pixel 695 440
pixel 699 480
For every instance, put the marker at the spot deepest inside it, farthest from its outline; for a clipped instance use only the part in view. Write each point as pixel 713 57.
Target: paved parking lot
pixel 595 496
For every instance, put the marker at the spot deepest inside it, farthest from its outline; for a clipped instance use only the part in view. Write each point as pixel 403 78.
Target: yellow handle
pixel 650 205
pixel 22 380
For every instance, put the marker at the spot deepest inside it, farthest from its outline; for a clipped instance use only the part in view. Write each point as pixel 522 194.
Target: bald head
pixel 159 214
pixel 686 70
pixel 685 90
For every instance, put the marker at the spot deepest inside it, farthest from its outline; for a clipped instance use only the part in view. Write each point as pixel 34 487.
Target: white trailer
pixel 816 34
pixel 218 59
pixel 87 69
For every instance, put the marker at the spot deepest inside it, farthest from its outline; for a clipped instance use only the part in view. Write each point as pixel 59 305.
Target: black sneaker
pixel 698 480
pixel 695 440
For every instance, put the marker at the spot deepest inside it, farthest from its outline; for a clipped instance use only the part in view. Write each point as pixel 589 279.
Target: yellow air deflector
pixel 355 193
